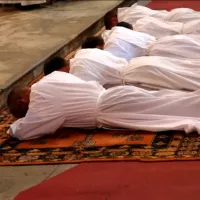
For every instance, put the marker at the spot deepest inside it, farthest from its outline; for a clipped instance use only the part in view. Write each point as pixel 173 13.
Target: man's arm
pixel 36 124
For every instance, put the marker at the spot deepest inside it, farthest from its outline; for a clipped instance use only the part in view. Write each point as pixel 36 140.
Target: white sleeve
pixel 35 125
pixel 42 118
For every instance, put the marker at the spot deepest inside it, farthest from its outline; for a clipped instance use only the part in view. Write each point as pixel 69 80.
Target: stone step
pixel 31 38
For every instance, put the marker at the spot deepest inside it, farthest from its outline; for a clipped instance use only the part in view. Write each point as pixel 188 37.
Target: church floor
pixel 15 43
pixel 16 179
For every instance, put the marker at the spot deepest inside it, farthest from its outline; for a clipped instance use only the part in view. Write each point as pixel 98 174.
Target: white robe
pixel 105 35
pixel 192 27
pixel 62 100
pixel 97 65
pixel 58 100
pixel 182 15
pixel 128 44
pixel 150 72
pixel 158 28
pixel 155 72
pixel 136 12
pixel 176 46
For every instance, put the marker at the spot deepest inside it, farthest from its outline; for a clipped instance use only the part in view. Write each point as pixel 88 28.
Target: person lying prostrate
pixel 92 63
pixel 150 72
pixel 63 100
pixel 136 12
pixel 155 72
pixel 176 46
pixel 150 25
pixel 125 43
pixel 158 28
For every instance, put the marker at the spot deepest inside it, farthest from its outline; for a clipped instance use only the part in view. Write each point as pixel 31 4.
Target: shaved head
pixel 18 101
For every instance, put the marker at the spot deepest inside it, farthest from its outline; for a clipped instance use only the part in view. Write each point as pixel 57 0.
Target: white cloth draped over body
pixel 23 2
pixel 149 72
pixel 192 27
pixel 154 72
pixel 136 12
pixel 105 35
pixel 158 28
pixel 97 65
pixel 63 100
pixel 176 46
pixel 128 44
pixel 182 15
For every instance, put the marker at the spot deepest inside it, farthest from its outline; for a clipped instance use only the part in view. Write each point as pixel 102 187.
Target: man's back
pixel 128 44
pixel 54 102
pixel 97 65
pixel 163 72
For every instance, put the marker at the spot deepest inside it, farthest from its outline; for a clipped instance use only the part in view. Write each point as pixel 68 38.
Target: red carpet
pixel 168 5
pixel 121 181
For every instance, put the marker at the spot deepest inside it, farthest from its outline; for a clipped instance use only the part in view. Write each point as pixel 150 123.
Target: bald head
pixel 18 101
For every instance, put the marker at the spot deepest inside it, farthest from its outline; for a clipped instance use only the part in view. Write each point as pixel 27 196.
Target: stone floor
pixel 29 37
pixel 16 179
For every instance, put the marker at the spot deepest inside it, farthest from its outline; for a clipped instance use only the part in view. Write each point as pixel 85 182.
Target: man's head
pixel 18 101
pixel 125 25
pixel 56 64
pixel 110 20
pixel 93 42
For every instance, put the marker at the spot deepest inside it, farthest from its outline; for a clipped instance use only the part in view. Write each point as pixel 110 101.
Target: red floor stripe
pixel 121 181
pixel 168 5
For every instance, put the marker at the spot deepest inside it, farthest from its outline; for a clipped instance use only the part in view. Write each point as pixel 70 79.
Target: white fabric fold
pixel 192 27
pixel 163 72
pixel 182 15
pixel 128 44
pixel 136 12
pixel 176 46
pixel 97 65
pixel 138 109
pixel 158 28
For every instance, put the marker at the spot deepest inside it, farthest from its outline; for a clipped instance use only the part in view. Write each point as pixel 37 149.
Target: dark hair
pixel 54 64
pixel 108 19
pixel 125 25
pixel 92 42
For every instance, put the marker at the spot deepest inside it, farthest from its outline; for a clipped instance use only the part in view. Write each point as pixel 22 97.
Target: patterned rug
pixel 76 146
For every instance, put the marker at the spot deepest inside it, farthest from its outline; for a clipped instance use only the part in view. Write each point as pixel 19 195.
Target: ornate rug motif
pixel 76 146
